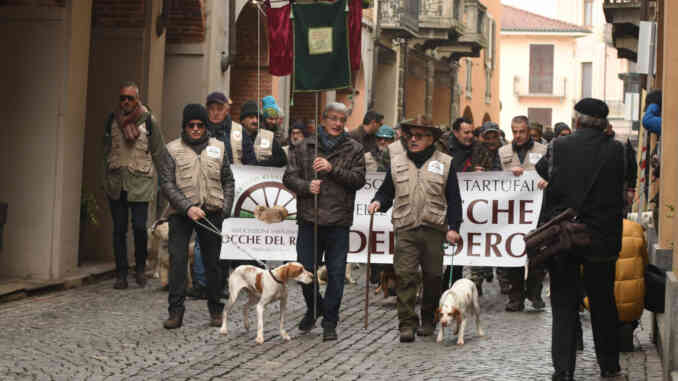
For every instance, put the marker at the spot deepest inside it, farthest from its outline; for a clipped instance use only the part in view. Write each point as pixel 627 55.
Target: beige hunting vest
pixel 263 144
pixel 510 159
pixel 199 176
pixel 371 165
pixel 135 156
pixel 419 192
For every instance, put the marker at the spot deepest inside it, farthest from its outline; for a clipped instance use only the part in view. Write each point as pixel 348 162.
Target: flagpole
pixel 315 219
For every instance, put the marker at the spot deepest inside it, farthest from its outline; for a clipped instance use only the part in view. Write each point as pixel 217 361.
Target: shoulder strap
pixel 602 162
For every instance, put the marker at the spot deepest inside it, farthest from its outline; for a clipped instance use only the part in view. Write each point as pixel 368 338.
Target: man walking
pixel 377 161
pixel 421 184
pixel 252 145
pixel 365 134
pixel 196 178
pixel 133 143
pixel 588 175
pixel 340 166
pixel 522 155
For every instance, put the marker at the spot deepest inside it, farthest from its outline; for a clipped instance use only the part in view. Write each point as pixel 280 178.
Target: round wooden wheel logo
pixel 268 194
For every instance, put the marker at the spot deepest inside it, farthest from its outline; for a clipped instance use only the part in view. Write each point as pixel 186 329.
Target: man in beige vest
pixel 377 161
pixel 133 142
pixel 196 178
pixel 252 145
pixel 517 157
pixel 422 186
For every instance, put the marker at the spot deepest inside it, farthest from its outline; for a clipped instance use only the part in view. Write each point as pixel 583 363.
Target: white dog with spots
pixel 263 287
pixel 456 304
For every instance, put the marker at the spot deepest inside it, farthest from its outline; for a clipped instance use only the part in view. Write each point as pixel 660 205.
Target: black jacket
pixel 575 159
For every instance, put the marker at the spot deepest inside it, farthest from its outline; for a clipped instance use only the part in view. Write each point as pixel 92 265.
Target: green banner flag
pixel 321 54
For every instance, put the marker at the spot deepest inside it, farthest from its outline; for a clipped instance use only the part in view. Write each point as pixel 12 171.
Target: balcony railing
pixel 622 3
pixel 522 88
pixel 399 14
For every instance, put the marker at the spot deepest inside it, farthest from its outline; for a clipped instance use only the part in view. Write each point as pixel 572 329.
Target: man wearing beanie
pixel 133 144
pixel 587 174
pixel 252 145
pixel 272 116
pixel 197 180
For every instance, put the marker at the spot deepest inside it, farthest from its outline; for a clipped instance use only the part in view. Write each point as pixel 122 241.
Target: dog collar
pixel 274 278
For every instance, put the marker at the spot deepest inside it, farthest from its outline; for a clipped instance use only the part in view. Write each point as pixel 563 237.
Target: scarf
pixel 419 158
pixel 128 123
pixel 461 154
pixel 196 145
pixel 248 154
pixel 327 142
pixel 220 130
pixel 522 150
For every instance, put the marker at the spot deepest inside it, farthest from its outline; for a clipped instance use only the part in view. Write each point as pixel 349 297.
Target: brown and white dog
pixel 456 304
pixel 262 289
pixel 322 274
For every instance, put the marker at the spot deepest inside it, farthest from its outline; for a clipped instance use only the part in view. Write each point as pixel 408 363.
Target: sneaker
pixel 406 335
pixel 140 278
pixel 120 284
pixel 538 303
pixel 307 323
pixel 329 333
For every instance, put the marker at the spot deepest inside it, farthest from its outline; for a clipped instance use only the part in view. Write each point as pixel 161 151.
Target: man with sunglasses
pixel 422 187
pixel 133 143
pixel 340 168
pixel 196 178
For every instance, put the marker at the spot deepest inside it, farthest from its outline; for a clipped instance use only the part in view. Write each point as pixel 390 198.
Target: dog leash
pixel 213 229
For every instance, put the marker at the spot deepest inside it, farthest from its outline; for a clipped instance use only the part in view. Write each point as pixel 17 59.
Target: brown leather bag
pixel 556 237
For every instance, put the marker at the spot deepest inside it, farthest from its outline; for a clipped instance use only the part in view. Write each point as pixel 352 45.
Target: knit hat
pixel 299 125
pixel 194 111
pixel 269 108
pixel 592 107
pixel 560 127
pixel 249 109
pixel 385 132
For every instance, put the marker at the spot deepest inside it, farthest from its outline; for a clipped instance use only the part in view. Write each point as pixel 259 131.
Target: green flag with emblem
pixel 321 50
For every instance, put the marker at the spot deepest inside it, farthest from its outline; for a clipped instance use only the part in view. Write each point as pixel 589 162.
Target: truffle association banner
pixel 498 210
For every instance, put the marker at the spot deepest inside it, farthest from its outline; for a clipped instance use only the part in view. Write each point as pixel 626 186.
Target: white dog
pixel 263 287
pixel 456 304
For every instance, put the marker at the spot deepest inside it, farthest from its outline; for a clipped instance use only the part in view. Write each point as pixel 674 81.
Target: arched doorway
pixel 250 78
pixel 487 118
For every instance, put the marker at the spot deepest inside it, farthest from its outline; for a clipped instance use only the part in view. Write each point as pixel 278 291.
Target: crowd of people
pixel 195 176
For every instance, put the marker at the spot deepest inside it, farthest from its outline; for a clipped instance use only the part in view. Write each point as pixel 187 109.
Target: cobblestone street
pixel 95 332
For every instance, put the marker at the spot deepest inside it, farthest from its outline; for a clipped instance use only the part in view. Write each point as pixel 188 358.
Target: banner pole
pixel 370 242
pixel 315 220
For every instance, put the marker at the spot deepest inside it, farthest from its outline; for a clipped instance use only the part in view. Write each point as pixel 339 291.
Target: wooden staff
pixel 367 270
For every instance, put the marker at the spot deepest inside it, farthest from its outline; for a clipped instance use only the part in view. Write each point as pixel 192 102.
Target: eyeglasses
pixel 336 119
pixel 195 125
pixel 409 136
pixel 127 98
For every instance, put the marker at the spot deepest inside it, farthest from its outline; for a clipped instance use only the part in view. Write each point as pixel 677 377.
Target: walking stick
pixel 367 270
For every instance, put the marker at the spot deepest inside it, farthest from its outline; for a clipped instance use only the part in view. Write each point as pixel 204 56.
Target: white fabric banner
pixel 498 210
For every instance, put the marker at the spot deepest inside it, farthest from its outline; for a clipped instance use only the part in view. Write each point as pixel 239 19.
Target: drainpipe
pixel 375 56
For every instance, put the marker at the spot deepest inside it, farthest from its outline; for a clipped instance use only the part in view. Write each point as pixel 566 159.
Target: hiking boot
pixel 329 333
pixel 174 321
pixel 426 329
pixel 406 335
pixel 216 320
pixel 307 323
pixel 120 283
pixel 140 278
pixel 197 292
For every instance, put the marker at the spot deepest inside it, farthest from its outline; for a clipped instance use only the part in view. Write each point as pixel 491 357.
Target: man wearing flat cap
pixel 586 173
pixel 422 187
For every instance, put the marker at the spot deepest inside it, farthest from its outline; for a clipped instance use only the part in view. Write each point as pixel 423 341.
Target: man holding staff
pixel 339 163
pixel 422 186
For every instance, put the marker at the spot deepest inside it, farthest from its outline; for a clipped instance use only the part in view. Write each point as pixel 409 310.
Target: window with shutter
pixel 541 69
